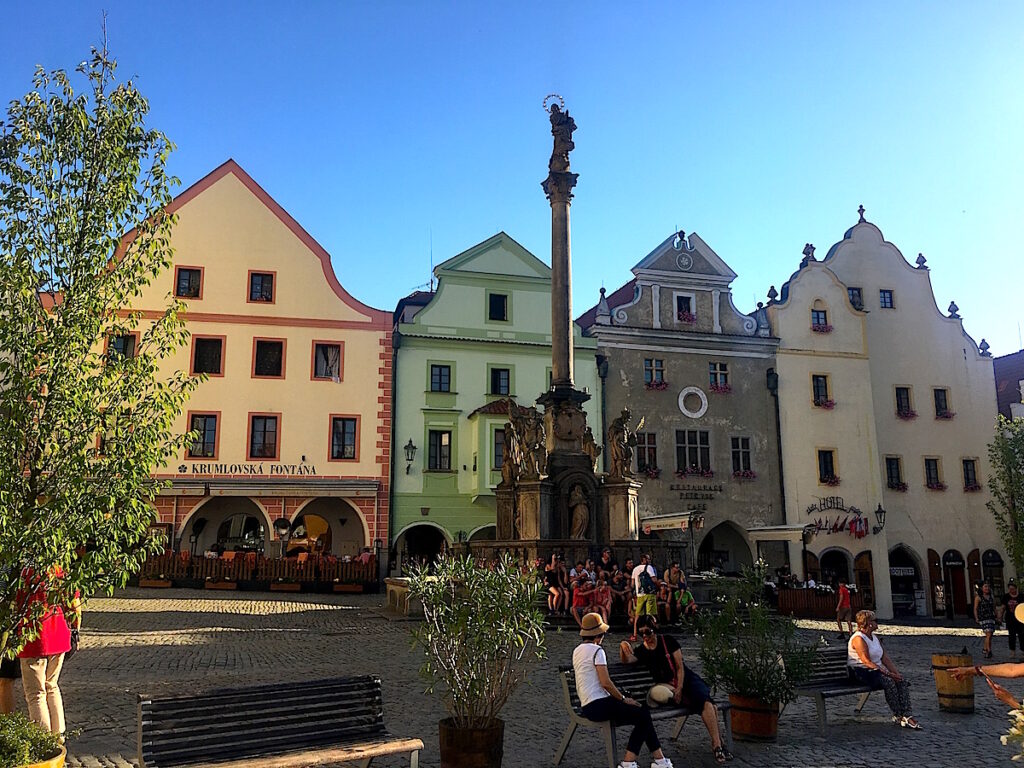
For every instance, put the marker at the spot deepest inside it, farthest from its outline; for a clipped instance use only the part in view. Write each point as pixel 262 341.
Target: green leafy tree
pixel 83 230
pixel 1006 455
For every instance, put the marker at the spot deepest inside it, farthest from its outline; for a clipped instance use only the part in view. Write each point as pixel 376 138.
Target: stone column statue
pixel 621 441
pixel 580 512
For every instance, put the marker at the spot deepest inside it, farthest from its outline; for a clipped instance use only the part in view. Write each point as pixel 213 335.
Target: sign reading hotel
pixel 254 469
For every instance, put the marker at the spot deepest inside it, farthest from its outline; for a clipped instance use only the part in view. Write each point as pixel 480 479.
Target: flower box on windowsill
pixel 821 328
pixel 972 488
pixel 945 415
pixel 745 474
pixel 901 487
pixel 722 389
pixel 694 472
pixel 827 404
pixel 657 386
pixel 906 415
pixel 651 472
pixel 832 481
pixel 687 317
pixel 935 486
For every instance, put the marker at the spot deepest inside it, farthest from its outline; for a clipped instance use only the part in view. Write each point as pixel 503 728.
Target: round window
pixel 693 402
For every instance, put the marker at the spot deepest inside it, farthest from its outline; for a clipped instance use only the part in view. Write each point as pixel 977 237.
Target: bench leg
pixel 862 701
pixel 679 727
pixel 819 702
pixel 727 728
pixel 414 759
pixel 366 763
pixel 560 753
pixel 609 743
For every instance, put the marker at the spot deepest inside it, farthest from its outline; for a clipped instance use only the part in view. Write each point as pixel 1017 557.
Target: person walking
pixel 871 665
pixel 843 611
pixel 1014 628
pixel 645 587
pixel 602 701
pixel 41 660
pixel 985 615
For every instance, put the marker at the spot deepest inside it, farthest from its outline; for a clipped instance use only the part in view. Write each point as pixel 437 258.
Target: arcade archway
pixel 724 549
pixel 226 524
pixel 419 544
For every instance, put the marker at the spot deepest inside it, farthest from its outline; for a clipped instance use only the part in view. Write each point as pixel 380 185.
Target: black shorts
pixel 10 669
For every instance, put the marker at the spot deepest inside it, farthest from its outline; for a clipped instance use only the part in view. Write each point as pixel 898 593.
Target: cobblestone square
pixel 177 641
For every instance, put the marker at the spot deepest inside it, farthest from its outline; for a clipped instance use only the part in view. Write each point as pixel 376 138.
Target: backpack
pixel 646 582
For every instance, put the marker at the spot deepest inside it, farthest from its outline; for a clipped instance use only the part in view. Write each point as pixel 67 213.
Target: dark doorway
pixel 954 576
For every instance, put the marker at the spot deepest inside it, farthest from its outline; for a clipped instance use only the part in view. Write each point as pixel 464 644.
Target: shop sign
pixel 901 571
pixel 828 503
pixel 697 491
pixel 252 469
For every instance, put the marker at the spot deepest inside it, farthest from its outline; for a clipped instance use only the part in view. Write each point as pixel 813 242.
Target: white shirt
pixel 874 651
pixel 636 575
pixel 811 584
pixel 585 660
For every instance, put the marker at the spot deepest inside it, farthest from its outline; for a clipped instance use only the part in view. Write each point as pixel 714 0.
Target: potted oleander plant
pixel 481 632
pixel 753 653
pixel 25 744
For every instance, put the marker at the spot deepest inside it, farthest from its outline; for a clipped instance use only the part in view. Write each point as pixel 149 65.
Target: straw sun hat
pixel 593 625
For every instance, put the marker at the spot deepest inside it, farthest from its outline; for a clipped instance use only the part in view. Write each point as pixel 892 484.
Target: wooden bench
pixel 830 678
pixel 634 680
pixel 270 726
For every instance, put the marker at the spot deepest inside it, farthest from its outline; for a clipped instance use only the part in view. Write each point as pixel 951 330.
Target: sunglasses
pixel 647 632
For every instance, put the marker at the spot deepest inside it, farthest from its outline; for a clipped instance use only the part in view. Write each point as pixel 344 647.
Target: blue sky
pixel 383 126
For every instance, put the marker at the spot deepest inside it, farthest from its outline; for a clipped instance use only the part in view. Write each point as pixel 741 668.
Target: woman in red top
pixel 41 661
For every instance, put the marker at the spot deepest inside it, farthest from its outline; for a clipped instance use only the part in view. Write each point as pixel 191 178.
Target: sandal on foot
pixel 721 754
pixel 910 722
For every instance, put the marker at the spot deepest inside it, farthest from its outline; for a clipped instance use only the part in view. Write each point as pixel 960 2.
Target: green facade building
pixel 462 352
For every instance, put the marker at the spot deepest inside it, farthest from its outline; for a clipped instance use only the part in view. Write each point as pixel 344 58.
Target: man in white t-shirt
pixel 645 589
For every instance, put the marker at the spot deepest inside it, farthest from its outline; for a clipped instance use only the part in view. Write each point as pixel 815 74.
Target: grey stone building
pixel 675 351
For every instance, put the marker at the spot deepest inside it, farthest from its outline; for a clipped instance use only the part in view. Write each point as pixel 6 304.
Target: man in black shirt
pixel 1014 629
pixel 674 681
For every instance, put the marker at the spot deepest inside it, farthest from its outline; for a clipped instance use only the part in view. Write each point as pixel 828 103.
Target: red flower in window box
pixel 657 386
pixel 687 317
pixel 652 472
pixel 827 403
pixel 901 487
pixel 722 389
pixel 681 473
pixel 945 415
pixel 832 480
pixel 695 471
pixel 821 328
pixel 972 488
pixel 745 474
pixel 906 414
pixel 940 486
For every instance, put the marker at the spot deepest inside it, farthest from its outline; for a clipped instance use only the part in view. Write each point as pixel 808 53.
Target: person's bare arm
pixel 977 602
pixel 626 653
pixel 606 682
pixel 677 657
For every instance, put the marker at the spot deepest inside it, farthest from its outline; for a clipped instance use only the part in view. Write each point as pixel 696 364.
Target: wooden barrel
pixel 954 695
pixel 753 719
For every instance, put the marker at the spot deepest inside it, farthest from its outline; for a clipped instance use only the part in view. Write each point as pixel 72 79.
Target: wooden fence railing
pixel 182 569
pixel 811 604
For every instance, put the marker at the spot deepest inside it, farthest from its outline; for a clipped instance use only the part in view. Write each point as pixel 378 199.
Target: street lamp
pixel 880 517
pixel 410 455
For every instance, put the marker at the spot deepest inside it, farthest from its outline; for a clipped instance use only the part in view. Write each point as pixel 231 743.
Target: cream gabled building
pixel 295 416
pixel 905 410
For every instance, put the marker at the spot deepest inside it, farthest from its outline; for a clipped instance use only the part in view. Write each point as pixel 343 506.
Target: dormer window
pixel 685 312
pixel 819 318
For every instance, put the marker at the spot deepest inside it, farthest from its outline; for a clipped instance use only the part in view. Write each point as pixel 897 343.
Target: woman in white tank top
pixel 871 665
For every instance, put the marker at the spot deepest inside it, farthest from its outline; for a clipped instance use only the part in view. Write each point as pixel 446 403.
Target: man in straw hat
pixel 674 682
pixel 601 700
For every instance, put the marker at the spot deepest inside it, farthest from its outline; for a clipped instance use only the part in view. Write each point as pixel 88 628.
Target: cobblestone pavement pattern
pixel 180 641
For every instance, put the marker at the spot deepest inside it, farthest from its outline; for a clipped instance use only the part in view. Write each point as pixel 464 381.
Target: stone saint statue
pixel 580 512
pixel 621 441
pixel 591 448
pixel 528 450
pixel 510 461
pixel 562 126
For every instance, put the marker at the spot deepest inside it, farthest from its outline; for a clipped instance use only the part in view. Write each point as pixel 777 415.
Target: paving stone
pixel 180 641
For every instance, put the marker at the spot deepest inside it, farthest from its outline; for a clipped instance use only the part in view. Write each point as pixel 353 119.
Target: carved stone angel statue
pixel 580 512
pixel 591 448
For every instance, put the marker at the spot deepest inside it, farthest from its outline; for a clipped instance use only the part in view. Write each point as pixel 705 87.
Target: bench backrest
pixel 829 666
pixel 632 679
pixel 237 723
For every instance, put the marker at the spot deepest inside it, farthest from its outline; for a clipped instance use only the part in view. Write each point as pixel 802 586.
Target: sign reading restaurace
pixel 248 468
pixel 696 491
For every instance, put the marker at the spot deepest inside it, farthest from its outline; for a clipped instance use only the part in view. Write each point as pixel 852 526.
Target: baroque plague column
pixel 550 497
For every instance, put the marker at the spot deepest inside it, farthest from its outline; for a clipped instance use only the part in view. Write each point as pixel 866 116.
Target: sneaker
pixel 663 762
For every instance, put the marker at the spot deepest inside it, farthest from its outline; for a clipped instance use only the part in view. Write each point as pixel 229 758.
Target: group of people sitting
pixel 604 588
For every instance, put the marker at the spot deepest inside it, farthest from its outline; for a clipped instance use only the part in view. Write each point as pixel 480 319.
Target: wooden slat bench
pixel 830 678
pixel 635 680
pixel 270 726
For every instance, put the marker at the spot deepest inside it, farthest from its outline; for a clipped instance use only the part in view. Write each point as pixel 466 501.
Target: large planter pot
pixel 53 762
pixel 753 719
pixel 471 747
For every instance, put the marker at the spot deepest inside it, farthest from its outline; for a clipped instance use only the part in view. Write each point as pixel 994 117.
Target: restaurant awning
pixel 678 521
pixel 777 533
